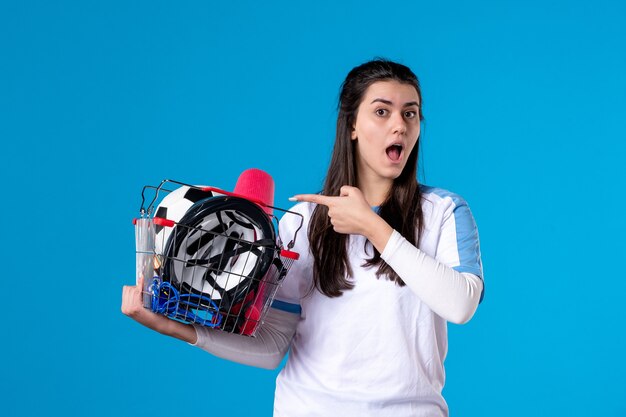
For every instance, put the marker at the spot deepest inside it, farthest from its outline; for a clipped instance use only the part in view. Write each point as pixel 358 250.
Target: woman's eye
pixel 410 114
pixel 381 112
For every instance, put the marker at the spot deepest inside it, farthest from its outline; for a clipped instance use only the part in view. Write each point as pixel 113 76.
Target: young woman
pixel 385 263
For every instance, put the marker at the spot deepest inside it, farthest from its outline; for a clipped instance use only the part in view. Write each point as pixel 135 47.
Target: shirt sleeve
pixel 266 350
pixel 451 294
pixel 459 246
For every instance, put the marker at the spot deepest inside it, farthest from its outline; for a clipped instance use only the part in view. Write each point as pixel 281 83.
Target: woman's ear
pixel 353 133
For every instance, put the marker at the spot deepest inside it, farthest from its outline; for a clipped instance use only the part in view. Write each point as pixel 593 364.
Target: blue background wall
pixel 525 105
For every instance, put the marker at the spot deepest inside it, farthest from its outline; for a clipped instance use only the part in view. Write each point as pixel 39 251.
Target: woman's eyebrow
pixel 381 100
pixel 389 103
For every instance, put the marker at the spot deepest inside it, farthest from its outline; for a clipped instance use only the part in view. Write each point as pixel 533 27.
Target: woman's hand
pixel 132 306
pixel 350 213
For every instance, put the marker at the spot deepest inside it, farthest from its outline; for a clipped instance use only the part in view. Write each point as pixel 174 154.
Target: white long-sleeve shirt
pixel 379 348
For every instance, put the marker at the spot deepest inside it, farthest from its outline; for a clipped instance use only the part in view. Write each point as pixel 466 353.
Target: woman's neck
pixel 375 191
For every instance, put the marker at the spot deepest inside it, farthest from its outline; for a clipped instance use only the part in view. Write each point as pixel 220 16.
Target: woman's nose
pixel 399 124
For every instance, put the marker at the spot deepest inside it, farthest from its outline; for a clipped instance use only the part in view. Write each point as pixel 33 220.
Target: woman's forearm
pixel 451 294
pixel 266 350
pixel 184 332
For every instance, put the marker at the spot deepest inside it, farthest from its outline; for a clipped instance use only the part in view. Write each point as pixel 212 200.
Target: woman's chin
pixel 391 172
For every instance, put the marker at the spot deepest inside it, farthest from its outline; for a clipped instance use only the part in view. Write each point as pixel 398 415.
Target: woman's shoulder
pixel 440 197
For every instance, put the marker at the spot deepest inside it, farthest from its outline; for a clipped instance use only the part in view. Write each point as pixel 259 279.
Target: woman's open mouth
pixel 394 152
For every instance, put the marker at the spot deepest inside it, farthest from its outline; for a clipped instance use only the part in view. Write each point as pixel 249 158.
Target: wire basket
pixel 219 265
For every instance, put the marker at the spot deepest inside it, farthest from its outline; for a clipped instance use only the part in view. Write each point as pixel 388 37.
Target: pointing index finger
pixel 313 198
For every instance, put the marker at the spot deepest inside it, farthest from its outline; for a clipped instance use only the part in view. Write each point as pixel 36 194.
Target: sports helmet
pixel 221 249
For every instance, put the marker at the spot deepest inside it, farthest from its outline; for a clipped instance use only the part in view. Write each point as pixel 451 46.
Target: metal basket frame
pixel 239 302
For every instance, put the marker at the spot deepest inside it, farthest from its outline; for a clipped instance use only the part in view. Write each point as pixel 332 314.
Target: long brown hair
pixel 401 209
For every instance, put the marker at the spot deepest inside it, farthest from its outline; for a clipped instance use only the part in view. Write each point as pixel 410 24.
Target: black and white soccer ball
pixel 173 207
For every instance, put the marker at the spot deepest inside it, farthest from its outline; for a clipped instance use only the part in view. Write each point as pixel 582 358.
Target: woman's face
pixel 386 130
